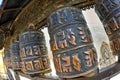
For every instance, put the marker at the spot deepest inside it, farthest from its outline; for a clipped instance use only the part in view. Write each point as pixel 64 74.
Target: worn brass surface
pixel 108 12
pixel 33 52
pixel 15 56
pixel 37 11
pixel 74 54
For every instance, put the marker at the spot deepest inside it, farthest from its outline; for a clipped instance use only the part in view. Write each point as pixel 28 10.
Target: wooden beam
pixel 6 31
pixel 37 11
pixel 3 6
pixel 12 9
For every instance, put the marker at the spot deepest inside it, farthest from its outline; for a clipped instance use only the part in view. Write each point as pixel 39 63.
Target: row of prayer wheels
pixel 74 54
pixel 109 14
pixel 29 54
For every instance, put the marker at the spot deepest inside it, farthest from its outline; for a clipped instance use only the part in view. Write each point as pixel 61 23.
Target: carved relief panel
pixel 33 52
pixel 71 43
pixel 108 12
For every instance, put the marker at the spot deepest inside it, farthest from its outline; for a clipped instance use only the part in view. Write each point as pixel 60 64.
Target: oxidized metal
pixel 33 52
pixel 74 54
pixel 2 39
pixel 109 13
pixel 37 12
pixel 15 56
pixel 7 59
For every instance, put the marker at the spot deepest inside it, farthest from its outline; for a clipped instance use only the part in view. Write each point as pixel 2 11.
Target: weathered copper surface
pixel 71 43
pixel 31 14
pixel 109 72
pixel 33 52
pixel 7 58
pixel 37 11
pixel 2 39
pixel 15 55
pixel 109 13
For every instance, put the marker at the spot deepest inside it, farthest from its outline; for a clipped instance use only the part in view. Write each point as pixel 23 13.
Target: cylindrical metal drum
pixel 71 43
pixel 7 59
pixel 109 13
pixel 34 52
pixel 2 39
pixel 15 56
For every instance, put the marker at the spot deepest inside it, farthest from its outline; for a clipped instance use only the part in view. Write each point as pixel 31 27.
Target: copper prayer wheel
pixel 71 42
pixel 34 52
pixel 7 59
pixel 109 13
pixel 15 56
pixel 2 39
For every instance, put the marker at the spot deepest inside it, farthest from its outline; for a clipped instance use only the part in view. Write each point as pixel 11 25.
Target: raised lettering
pixel 117 18
pixel 23 66
pixel 62 43
pixel 54 20
pixel 115 45
pixel 76 62
pixel 67 65
pixel 28 51
pixel 103 10
pixel 112 45
pixel 108 31
pixel 76 15
pixel 62 17
pixel 43 49
pixel 109 4
pixel 71 36
pixel 113 25
pixel 57 64
pixel 36 50
pixel 54 45
pixel 37 64
pixel 84 37
pixel 90 57
pixel 29 66
pixel 22 53
pixel 45 62
pixel 41 64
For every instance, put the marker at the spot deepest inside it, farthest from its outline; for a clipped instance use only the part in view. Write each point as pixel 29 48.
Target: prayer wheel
pixel 33 52
pixel 2 39
pixel 7 59
pixel 109 13
pixel 15 56
pixel 71 42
